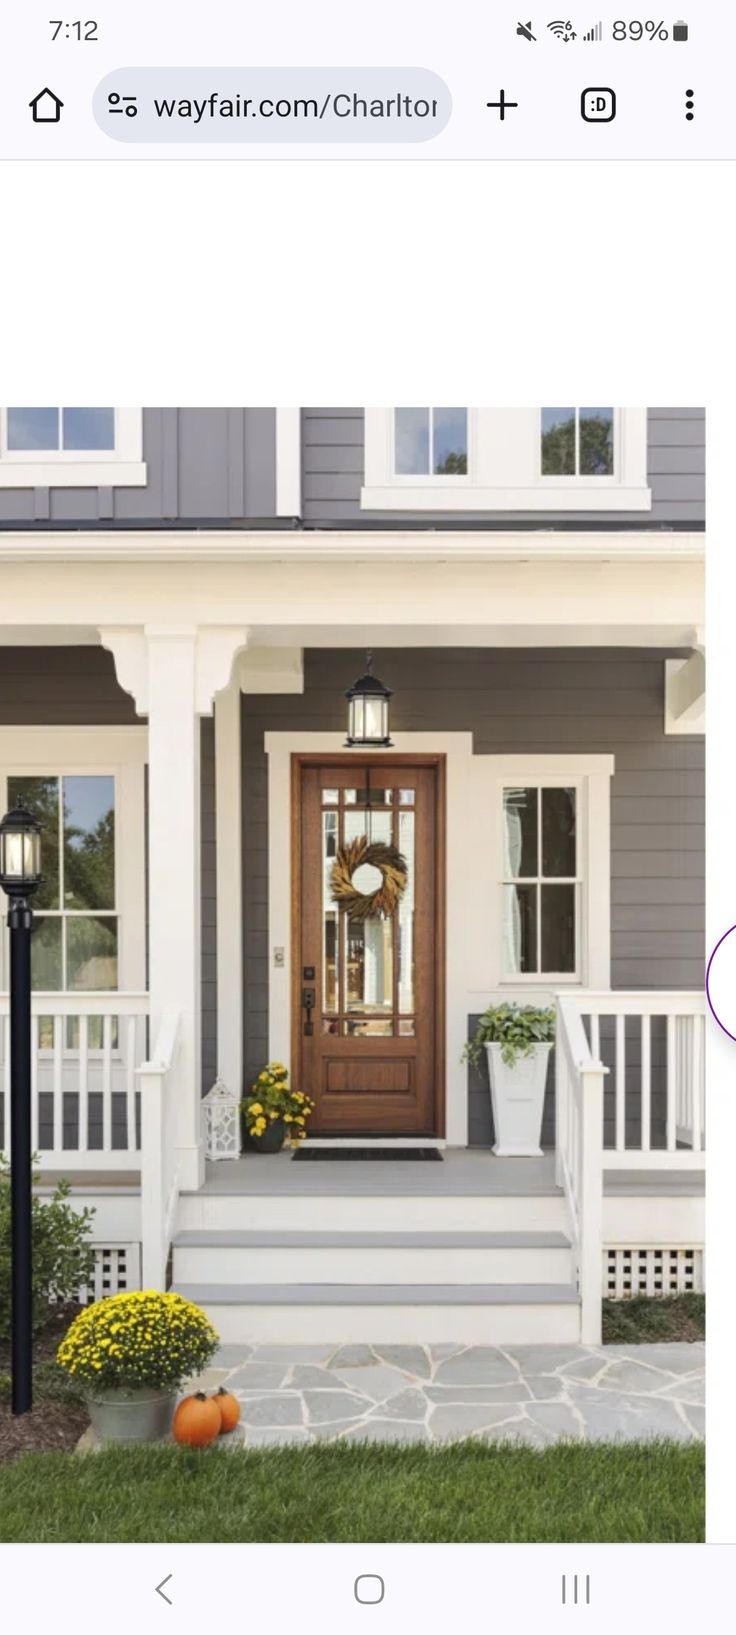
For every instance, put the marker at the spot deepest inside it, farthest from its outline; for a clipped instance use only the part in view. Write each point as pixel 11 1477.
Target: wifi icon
pixel 562 31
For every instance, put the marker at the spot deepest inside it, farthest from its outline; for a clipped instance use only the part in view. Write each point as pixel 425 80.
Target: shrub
pixel 517 1028
pixel 63 1257
pixel 142 1338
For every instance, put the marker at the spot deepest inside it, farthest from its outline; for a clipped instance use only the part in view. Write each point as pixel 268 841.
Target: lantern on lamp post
pixel 20 876
pixel 368 709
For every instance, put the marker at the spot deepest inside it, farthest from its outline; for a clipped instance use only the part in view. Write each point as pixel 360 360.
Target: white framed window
pixel 547 875
pixel 430 443
pixel 515 460
pixel 578 443
pixel 63 447
pixel 86 786
pixel 542 881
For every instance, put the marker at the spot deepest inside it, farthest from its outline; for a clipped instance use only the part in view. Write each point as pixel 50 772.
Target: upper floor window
pixel 60 430
pixel 506 460
pixel 577 443
pixel 71 447
pixel 431 442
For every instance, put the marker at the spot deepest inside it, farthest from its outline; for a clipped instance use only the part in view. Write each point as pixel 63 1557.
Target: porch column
pixel 174 672
pixel 229 887
pixel 174 888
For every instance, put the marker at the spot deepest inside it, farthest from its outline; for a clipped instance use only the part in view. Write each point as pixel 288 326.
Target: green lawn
pixel 467 1493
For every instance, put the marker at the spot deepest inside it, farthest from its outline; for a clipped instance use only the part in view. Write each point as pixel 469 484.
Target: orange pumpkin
pixel 229 1409
pixel 197 1421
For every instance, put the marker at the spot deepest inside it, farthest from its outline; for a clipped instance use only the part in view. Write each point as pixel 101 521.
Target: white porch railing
pixel 86 1048
pixel 159 1173
pixel 652 1052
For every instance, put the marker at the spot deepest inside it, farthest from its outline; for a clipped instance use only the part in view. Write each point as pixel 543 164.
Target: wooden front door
pixel 368 993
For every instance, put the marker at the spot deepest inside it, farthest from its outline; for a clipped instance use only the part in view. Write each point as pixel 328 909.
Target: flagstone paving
pixel 436 1394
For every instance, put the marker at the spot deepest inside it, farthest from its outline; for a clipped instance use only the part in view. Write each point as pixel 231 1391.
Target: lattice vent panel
pixel 657 1272
pixel 117 1270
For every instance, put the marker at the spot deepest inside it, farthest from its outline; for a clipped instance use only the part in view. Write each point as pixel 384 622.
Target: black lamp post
pixel 368 706
pixel 20 874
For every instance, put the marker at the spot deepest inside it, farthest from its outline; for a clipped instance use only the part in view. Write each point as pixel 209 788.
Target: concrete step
pixel 278 1257
pixel 337 1313
pixel 223 1210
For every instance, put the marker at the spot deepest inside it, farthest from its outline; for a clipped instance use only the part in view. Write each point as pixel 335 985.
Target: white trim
pixel 504 469
pixel 229 850
pixel 684 695
pixel 117 752
pixel 462 902
pixel 288 462
pixel 121 467
pixel 365 545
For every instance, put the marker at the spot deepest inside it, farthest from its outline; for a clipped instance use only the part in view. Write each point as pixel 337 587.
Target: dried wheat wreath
pixel 366 905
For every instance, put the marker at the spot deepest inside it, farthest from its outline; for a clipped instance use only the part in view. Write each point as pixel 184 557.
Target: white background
pixel 210 283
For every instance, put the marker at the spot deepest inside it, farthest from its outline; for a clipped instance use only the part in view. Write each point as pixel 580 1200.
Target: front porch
pixel 512 682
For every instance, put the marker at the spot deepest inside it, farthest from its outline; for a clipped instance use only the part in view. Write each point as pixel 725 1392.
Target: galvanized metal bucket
pixel 141 1415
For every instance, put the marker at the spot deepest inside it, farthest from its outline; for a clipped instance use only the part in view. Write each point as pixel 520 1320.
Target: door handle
pixel 309 998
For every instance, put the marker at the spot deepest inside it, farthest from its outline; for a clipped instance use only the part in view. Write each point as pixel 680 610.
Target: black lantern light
pixel 20 875
pixel 20 852
pixel 368 711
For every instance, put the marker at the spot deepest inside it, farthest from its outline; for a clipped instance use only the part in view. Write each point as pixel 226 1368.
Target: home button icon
pixel 46 107
pixel 369 1589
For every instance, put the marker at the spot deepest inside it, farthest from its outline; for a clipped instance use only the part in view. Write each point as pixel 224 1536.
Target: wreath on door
pixel 368 905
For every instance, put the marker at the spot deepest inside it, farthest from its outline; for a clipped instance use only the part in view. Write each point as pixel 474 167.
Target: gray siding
pixel 62 686
pixel 204 465
pixel 547 701
pixel 333 462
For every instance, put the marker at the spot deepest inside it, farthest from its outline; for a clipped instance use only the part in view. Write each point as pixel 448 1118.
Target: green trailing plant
pixel 63 1257
pixel 516 1028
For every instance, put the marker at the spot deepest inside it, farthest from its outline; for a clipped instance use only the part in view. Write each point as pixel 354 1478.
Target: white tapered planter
pixel 517 1097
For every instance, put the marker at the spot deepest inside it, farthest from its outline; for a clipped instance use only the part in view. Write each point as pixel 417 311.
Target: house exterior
pixel 188 593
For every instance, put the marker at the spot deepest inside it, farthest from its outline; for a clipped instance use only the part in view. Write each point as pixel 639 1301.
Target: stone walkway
pixel 433 1394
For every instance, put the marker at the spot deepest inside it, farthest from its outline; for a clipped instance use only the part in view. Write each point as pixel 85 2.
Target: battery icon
pixel 680 31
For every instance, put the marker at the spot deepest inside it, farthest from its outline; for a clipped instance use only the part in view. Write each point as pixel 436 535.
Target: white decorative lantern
pixel 220 1123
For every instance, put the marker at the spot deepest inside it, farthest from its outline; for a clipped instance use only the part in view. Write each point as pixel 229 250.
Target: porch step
pixel 336 1313
pixel 349 1257
pixel 386 1209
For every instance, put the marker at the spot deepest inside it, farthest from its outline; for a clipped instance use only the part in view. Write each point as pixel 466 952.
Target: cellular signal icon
pixel 594 33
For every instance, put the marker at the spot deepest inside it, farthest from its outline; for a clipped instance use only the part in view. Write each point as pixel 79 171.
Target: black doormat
pixel 415 1155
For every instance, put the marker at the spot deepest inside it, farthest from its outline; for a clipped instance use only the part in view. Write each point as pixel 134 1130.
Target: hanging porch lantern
pixel 20 852
pixel 368 709
pixel 220 1123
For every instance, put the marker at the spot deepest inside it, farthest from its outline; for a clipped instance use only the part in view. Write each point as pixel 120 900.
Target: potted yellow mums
pixel 273 1112
pixel 132 1353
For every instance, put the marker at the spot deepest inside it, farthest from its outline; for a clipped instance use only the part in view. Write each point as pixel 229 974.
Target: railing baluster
pixel 620 1083
pixel 595 1035
pixel 130 1066
pixel 57 1103
pixel 671 1083
pixel 83 1091
pixel 107 1084
pixel 646 1082
pixel 695 1101
pixel 34 1083
pixel 6 1086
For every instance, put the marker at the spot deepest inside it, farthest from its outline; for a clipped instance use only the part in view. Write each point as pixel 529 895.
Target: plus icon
pixel 502 105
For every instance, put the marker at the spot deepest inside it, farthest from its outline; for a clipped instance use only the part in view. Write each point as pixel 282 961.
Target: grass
pixel 630 1322
pixel 467 1493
